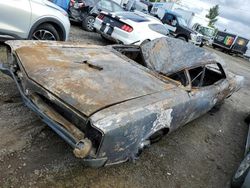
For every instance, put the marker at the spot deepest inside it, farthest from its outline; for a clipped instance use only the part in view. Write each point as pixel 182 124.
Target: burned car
pixel 109 102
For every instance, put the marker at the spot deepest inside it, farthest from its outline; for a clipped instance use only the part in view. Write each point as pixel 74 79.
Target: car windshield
pixel 117 8
pixel 159 28
pixel 206 31
pixel 109 6
pixel 182 21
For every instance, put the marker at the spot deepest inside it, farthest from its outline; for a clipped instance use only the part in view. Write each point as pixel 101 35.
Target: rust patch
pixel 101 80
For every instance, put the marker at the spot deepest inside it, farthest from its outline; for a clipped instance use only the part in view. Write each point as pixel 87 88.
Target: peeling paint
pixel 163 120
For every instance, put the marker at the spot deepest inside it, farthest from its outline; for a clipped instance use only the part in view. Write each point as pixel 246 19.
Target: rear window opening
pixel 206 75
pixel 133 53
pixel 180 77
pixel 199 76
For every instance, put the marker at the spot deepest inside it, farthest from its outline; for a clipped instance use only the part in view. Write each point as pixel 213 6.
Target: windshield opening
pixel 182 21
pixel 206 31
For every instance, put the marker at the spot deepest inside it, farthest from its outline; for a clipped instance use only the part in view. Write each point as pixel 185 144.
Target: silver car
pixel 33 19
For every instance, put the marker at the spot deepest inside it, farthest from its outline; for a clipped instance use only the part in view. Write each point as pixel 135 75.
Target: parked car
pixel 33 19
pixel 230 43
pixel 207 33
pixel 85 11
pixel 177 27
pixel 241 178
pixel 129 27
pixel 139 5
pixel 109 102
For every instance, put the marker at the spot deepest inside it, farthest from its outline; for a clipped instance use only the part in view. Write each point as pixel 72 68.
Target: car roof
pixel 169 55
pixel 136 16
pixel 172 12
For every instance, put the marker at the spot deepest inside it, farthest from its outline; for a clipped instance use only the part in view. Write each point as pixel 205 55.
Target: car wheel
pixel 216 108
pixel 157 136
pixel 88 23
pixel 104 38
pixel 145 42
pixel 241 172
pixel 247 120
pixel 182 38
pixel 202 44
pixel 45 32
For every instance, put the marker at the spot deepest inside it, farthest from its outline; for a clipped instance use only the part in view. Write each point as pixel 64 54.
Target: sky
pixel 234 14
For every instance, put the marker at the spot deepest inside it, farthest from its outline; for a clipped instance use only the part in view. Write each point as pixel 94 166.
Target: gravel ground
pixel 204 153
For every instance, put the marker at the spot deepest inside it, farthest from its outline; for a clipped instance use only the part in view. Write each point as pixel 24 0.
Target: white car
pixel 129 27
pixel 33 19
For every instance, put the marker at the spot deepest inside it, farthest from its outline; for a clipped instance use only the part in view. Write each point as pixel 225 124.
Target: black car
pixel 241 178
pixel 177 26
pixel 85 11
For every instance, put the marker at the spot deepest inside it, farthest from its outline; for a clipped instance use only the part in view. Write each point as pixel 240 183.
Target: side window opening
pixel 206 75
pixel 132 53
pixel 195 75
pixel 180 77
pixel 199 76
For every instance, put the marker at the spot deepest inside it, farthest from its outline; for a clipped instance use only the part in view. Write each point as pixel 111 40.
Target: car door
pixel 208 85
pixel 170 22
pixel 15 18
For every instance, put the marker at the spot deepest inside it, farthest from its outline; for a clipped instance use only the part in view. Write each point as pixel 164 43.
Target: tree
pixel 212 15
pixel 174 1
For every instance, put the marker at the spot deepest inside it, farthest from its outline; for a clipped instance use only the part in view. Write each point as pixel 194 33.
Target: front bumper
pixel 81 147
pixel 195 42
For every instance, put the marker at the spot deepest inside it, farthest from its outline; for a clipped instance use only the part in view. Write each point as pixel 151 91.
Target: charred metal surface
pixel 84 87
pixel 169 55
pixel 108 102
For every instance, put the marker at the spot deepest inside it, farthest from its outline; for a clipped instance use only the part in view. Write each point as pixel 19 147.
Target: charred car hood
pixel 86 77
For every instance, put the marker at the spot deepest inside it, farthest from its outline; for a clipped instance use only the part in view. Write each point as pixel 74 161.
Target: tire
pixel 216 108
pixel 201 45
pixel 157 136
pixel 110 41
pixel 45 32
pixel 88 23
pixel 241 173
pixel 182 38
pixel 247 120
pixel 104 38
pixel 145 42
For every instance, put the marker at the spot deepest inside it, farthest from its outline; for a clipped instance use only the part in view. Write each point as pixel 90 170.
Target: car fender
pixel 47 19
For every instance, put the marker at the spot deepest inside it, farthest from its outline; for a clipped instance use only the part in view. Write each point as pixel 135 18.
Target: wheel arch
pixel 182 35
pixel 55 23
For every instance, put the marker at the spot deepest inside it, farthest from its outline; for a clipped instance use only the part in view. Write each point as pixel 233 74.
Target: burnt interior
pixel 200 76
pixel 205 76
pixel 180 77
pixel 133 52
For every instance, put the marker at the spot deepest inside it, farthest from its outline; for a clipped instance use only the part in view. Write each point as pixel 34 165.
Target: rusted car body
pixel 109 102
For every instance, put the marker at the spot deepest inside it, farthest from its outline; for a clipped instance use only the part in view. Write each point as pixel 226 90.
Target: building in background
pixel 190 17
